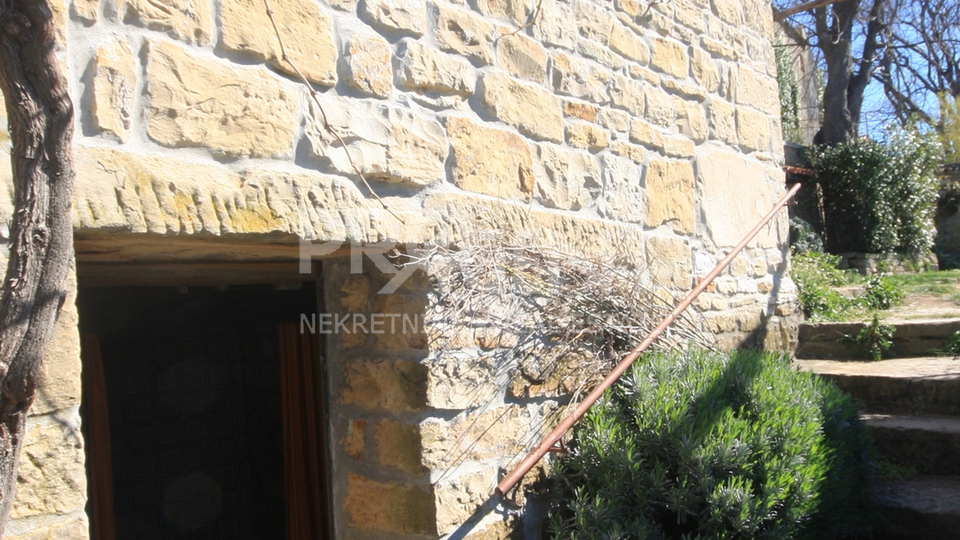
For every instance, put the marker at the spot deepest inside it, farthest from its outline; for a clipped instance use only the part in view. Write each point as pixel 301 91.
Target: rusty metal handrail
pixel 548 443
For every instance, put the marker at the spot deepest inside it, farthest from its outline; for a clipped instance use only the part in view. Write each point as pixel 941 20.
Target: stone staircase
pixel 912 405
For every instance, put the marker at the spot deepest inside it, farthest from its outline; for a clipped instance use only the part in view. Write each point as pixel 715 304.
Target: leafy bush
pixel 803 237
pixel 709 446
pixel 816 275
pixel 879 197
pixel 875 339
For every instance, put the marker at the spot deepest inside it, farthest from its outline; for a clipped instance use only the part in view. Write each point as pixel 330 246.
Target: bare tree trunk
pixel 40 120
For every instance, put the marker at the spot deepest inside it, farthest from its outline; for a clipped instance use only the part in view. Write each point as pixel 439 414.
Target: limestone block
pixel 460 380
pixel 74 527
pixel 684 90
pixel 669 260
pixel 553 373
pixel 404 16
pixel 587 136
pixel 670 57
pixel 367 62
pixel 398 446
pixel 516 11
pixel 51 478
pixel 86 10
pixel 718 48
pixel 199 101
pixel 630 7
pixel 601 53
pixel 557 25
pixel 622 190
pixel 722 121
pixel 490 161
pixel 522 57
pixel 386 142
pixel 643 133
pixel 691 120
pixel 531 109
pixel 424 69
pixel 459 497
pixel 720 322
pixel 307 33
pixel 389 507
pixel 730 11
pixel 758 90
pixel 511 528
pixel 669 195
pixel 660 109
pixel 566 179
pixel 184 19
pixel 613 119
pixel 577 78
pixel 753 129
pixel 59 383
pixel 465 33
pixel 354 444
pixel 593 22
pixel 114 84
pixel 625 42
pixel 728 218
pixel 385 385
pixel 641 73
pixel 629 151
pixel 627 95
pixel 704 70
pixel 405 331
pixel 482 435
pixel 582 111
pixel 678 146
pixel 343 5
pixel 690 15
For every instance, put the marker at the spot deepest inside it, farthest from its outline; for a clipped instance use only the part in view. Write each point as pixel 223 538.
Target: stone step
pixel 833 341
pixel 919 508
pixel 931 444
pixel 917 386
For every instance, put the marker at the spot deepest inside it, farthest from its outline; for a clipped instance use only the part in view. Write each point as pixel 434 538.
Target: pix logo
pixel 375 252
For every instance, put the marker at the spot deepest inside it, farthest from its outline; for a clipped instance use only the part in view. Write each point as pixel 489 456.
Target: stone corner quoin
pixel 611 130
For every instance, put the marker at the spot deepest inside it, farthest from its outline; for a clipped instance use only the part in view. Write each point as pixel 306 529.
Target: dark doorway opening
pixel 202 413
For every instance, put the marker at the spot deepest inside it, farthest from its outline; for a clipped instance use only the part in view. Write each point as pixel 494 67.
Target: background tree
pixel 40 121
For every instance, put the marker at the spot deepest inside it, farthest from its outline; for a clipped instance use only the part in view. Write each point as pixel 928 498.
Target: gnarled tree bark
pixel 40 121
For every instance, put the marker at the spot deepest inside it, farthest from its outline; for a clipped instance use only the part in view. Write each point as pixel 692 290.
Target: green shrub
pixel 709 446
pixel 879 197
pixel 816 275
pixel 875 339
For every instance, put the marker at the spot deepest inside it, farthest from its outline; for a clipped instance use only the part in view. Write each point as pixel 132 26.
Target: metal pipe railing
pixel 548 443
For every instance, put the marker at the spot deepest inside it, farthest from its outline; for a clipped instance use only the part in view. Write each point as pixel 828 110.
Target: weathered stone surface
pixel 690 15
pixel 582 111
pixel 691 121
pixel 516 11
pixel 730 11
pixel 660 109
pixel 465 33
pixel 386 385
pixel 86 10
pixel 643 133
pixel 718 48
pixel 481 435
pixel 557 25
pixel 306 29
pixel 427 70
pixel 630 151
pixel 114 84
pixel 627 94
pixel 490 161
pixel 367 62
pixel 593 22
pixel 553 373
pixel 675 146
pixel 704 70
pixel 601 54
pixel 74 527
pixel 669 195
pixel 531 109
pixel 728 218
pixel 343 5
pixel 757 90
pixel 684 90
pixel 566 179
pixel 59 387
pixel 404 16
pixel 587 136
pixel 389 507
pixel 753 129
pixel 625 42
pixel 669 260
pixel 511 528
pixel 253 114
pixel 51 479
pixel 622 191
pixel 722 121
pixel 398 446
pixel 641 73
pixel 670 57
pixel 354 444
pixel 405 332
pixel 577 78
pixel 460 380
pixel 522 57
pixel 614 119
pixel 387 142
pixel 184 19
pixel 458 498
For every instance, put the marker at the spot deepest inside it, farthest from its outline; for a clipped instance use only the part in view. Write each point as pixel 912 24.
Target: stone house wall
pixel 649 130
